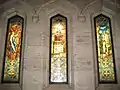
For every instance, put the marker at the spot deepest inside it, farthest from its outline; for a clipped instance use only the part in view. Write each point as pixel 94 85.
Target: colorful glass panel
pixel 11 69
pixel 58 50
pixel 105 54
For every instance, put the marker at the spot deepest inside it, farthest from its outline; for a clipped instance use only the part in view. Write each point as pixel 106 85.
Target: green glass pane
pixel 11 70
pixel 104 49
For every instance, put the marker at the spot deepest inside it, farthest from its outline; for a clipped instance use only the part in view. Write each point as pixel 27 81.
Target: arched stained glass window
pixel 58 50
pixel 12 54
pixel 105 52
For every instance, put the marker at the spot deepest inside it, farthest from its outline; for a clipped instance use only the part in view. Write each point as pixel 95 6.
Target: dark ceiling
pixel 3 1
pixel 77 1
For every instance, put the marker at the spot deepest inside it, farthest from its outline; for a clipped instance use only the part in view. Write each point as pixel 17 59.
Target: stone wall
pixel 82 65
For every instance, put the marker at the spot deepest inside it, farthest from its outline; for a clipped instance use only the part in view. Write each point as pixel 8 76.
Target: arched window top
pixel 102 19
pixel 12 53
pixel 105 50
pixel 16 18
pixel 102 15
pixel 58 50
pixel 58 16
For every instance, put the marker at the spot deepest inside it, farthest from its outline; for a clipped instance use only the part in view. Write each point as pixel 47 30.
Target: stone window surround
pixel 111 16
pixel 6 15
pixel 18 86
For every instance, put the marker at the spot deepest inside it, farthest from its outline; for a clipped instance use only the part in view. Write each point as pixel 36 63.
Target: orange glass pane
pixel 12 55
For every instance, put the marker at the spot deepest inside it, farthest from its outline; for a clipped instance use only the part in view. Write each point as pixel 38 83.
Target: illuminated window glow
pixel 58 50
pixel 12 55
pixel 105 52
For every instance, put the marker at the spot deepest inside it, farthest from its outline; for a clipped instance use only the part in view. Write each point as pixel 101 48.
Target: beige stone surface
pixel 82 62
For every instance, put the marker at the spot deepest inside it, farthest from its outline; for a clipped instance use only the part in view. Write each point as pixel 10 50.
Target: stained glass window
pixel 58 49
pixel 12 55
pixel 105 52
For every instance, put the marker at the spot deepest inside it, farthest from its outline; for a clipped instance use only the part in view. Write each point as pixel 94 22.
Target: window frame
pixel 113 54
pixel 21 48
pixel 66 50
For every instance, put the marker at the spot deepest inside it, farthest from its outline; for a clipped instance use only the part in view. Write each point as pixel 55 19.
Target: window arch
pixel 12 51
pixel 58 50
pixel 105 50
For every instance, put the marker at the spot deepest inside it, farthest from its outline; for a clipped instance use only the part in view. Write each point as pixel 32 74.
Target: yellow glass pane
pixel 58 50
pixel 105 49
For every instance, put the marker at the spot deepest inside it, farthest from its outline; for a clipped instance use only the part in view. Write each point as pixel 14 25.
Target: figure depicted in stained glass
pixel 14 47
pixel 13 50
pixel 105 52
pixel 58 72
